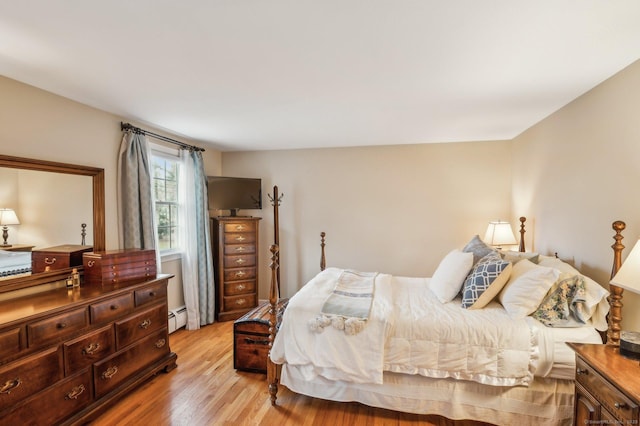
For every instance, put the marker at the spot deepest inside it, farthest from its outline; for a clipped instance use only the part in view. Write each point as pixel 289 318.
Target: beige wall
pixel 390 209
pixel 577 171
pixel 38 124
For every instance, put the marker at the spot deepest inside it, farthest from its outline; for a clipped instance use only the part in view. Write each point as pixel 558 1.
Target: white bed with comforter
pixel 13 263
pixel 432 347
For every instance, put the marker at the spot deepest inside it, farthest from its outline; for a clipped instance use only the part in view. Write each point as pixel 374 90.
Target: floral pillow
pixel 565 303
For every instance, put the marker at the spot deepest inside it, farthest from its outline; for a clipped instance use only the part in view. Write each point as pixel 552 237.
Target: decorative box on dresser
pixel 607 386
pixel 66 354
pixel 235 258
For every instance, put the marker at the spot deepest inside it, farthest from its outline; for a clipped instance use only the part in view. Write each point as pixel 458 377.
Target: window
pixel 166 189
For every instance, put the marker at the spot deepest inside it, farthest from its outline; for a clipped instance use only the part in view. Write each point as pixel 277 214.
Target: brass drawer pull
pixel 240 228
pixel 620 405
pixel 241 248
pixel 256 342
pixel 240 302
pixel 109 373
pixel 240 274
pixel 49 262
pixel 145 324
pixel 91 263
pixel 91 349
pixel 240 287
pixel 10 385
pixel 240 261
pixel 240 238
pixel 160 343
pixel 75 392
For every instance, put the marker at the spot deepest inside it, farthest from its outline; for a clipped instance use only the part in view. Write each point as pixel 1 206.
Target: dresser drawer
pixel 245 226
pixel 240 274
pixel 85 350
pixel 151 294
pixel 111 309
pixel 11 342
pixel 245 301
pixel 240 287
pixel 240 238
pixel 235 249
pixel 61 401
pixel 239 261
pixel 140 325
pixel 608 395
pixel 119 367
pixel 57 327
pixel 23 378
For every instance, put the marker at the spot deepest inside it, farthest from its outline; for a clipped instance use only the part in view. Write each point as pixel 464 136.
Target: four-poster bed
pixel 541 395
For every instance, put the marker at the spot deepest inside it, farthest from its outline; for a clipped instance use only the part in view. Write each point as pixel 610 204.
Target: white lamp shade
pixel 8 217
pixel 628 277
pixel 500 234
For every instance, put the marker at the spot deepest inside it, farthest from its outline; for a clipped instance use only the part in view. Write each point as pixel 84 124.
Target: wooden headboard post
pixel 615 299
pixel 522 231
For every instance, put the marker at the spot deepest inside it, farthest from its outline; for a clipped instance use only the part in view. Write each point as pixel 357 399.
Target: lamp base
pixel 630 344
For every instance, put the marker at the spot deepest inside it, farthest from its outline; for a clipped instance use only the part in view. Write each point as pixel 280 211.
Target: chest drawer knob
pixel 113 307
pixel 61 325
pixel 145 324
pixel 160 343
pixel 582 371
pixel 10 385
pixel 620 405
pixel 109 373
pixel 152 294
pixel 75 392
pixel 91 349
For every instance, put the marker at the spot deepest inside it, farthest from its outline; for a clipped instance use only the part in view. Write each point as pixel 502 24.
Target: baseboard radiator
pixel 177 318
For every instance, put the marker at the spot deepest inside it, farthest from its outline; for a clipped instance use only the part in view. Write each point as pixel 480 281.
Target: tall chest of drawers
pixel 235 256
pixel 65 355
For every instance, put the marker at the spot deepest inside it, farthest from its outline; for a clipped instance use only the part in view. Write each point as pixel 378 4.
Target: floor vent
pixel 177 318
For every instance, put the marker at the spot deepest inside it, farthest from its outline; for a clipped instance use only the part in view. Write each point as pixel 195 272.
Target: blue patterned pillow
pixel 479 249
pixel 485 281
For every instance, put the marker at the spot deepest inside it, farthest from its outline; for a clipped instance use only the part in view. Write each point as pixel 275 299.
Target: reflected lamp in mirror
pixel 628 278
pixel 500 234
pixel 7 217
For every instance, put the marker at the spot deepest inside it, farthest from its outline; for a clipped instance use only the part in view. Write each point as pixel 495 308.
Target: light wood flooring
pixel 206 390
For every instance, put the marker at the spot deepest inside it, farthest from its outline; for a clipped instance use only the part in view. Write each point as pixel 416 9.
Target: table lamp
pixel 628 278
pixel 7 217
pixel 500 234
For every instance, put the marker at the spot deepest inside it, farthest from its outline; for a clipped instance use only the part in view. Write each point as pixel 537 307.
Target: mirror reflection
pixel 48 209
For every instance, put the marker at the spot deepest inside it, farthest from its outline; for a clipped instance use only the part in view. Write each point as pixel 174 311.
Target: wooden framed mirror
pixel 97 184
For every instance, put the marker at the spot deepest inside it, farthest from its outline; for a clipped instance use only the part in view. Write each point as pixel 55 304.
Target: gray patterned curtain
pixel 136 223
pixel 197 264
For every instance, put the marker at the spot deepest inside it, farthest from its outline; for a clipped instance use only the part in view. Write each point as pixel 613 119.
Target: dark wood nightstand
pixel 607 386
pixel 17 247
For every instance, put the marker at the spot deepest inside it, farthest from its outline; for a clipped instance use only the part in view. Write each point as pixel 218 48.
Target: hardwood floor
pixel 206 390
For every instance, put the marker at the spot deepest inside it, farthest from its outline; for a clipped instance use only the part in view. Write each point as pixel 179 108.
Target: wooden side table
pixel 607 386
pixel 17 247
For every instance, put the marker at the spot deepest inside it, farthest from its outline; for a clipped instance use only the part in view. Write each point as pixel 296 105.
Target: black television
pixel 233 193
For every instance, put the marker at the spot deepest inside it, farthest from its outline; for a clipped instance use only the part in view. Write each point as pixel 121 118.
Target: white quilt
pixel 409 331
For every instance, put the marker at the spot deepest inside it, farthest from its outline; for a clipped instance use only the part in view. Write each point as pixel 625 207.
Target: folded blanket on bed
pixel 349 304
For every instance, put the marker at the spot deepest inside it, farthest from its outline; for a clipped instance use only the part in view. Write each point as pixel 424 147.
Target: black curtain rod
pixel 127 126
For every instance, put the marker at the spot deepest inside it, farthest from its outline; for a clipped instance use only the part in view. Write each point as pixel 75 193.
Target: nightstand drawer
pixel 608 395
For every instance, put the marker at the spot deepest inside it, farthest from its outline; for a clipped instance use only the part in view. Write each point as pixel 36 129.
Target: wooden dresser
pixel 235 257
pixel 607 386
pixel 66 354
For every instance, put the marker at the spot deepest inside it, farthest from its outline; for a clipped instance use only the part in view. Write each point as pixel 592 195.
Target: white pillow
pixel 448 278
pixel 526 288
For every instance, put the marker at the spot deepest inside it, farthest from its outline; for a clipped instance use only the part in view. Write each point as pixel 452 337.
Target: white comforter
pixel 409 331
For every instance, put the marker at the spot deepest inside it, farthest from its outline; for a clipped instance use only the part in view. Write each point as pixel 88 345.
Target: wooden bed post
pixel 522 231
pixel 615 299
pixel 273 370
pixel 323 260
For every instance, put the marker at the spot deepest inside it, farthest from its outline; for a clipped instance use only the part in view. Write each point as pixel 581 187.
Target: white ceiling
pixel 274 74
